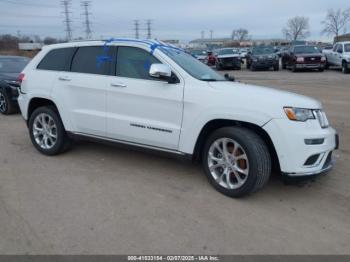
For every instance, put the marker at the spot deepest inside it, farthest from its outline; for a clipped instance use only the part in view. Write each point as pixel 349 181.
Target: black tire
pixel 257 154
pixel 345 68
pixel 284 66
pixel 321 70
pixel 276 68
pixel 248 65
pixel 63 142
pixel 294 68
pixel 326 65
pixel 7 107
pixel 252 68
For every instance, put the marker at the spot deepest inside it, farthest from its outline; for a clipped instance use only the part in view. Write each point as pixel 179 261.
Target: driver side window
pixel 134 62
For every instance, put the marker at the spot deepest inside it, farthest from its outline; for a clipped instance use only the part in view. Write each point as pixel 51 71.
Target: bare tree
pixel 240 34
pixel 336 22
pixel 297 28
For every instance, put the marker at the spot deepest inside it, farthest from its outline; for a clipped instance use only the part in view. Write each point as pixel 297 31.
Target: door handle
pixel 63 78
pixel 118 85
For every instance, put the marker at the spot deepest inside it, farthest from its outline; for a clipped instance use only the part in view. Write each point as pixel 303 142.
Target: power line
pixel 87 23
pixel 137 29
pixel 149 28
pixel 67 21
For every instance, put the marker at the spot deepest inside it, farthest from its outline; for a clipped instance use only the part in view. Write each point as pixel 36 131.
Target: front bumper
pixel 296 157
pixel 230 62
pixel 265 63
pixel 310 66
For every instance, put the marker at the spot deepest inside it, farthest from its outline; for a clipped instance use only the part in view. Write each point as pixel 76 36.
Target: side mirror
pixel 340 51
pixel 160 71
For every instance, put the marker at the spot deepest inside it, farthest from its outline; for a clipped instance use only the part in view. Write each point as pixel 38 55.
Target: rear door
pixel 83 90
pixel 142 109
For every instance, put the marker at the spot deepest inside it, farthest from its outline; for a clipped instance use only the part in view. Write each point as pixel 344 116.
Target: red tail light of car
pixel 20 78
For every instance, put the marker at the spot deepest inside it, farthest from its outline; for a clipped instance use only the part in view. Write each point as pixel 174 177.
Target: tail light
pixel 20 78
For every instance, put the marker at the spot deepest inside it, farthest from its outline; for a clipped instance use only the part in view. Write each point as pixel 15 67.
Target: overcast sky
pixel 176 19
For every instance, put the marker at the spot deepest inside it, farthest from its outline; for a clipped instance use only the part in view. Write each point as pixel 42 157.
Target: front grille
pixel 312 59
pixel 322 118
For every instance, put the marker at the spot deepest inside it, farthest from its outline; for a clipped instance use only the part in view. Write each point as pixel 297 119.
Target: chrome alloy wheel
pixel 228 163
pixel 45 131
pixel 3 104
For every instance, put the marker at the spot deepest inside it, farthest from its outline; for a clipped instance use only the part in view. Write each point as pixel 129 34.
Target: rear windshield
pixel 13 64
pixel 306 50
pixel 347 48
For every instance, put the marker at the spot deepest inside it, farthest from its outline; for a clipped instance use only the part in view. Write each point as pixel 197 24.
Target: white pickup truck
pixel 339 56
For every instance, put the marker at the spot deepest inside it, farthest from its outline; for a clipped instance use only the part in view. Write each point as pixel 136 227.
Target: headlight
pixel 299 114
pixel 300 59
pixel 323 59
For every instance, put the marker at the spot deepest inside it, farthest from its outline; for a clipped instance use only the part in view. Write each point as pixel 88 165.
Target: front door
pixel 142 109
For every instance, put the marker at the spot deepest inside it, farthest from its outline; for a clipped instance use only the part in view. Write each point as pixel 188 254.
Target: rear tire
pixel 247 157
pixel 47 132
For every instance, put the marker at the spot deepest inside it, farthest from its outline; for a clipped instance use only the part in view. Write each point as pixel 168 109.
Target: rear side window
pixel 57 59
pixel 135 62
pixel 93 60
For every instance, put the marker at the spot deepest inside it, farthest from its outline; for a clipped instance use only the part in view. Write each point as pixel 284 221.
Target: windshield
pixel 263 51
pixel 192 66
pixel 12 65
pixel 347 48
pixel 306 50
pixel 228 51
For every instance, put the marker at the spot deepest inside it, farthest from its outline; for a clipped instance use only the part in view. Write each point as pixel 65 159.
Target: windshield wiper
pixel 209 80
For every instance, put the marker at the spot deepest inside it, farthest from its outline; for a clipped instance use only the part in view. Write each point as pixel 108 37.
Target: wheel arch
pixel 37 102
pixel 215 124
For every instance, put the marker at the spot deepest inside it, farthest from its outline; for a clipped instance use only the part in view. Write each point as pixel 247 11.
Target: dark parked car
pixel 228 58
pixel 263 58
pixel 10 69
pixel 302 57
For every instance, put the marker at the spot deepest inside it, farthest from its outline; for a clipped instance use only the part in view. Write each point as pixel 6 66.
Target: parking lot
pixel 99 199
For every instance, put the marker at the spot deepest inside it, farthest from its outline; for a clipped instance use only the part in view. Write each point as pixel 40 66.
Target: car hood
pixel 264 100
pixel 9 76
pixel 269 56
pixel 308 55
pixel 228 56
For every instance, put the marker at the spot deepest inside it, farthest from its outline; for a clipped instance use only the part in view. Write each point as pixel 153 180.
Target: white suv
pixel 147 94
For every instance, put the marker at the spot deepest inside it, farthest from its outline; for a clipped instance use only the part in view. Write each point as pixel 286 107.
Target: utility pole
pixel 202 34
pixel 149 28
pixel 87 23
pixel 137 29
pixel 211 34
pixel 66 5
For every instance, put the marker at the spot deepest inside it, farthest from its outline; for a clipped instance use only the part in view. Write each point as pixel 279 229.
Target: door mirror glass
pixel 160 71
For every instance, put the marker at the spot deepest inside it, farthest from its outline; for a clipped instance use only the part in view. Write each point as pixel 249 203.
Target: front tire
pixel 345 67
pixel 6 107
pixel 236 161
pixel 47 132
